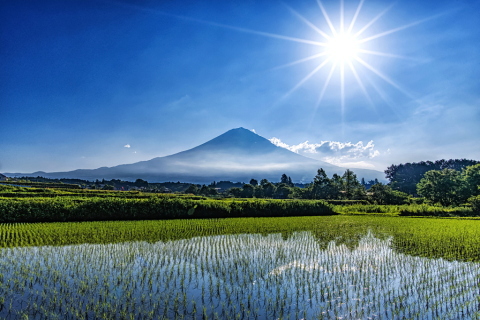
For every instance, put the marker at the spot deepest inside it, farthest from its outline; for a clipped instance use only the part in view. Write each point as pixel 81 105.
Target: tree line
pixel 338 187
pixel 456 183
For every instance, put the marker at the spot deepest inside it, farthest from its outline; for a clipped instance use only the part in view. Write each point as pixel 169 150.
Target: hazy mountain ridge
pixel 237 155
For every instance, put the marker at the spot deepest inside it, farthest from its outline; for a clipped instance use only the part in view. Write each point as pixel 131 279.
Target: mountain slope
pixel 236 155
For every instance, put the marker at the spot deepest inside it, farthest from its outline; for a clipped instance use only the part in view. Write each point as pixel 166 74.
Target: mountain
pixel 237 155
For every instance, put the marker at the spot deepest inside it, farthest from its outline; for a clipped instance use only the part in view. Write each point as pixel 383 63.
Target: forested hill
pixel 405 176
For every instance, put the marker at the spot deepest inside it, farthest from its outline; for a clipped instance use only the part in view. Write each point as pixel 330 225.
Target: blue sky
pixel 85 84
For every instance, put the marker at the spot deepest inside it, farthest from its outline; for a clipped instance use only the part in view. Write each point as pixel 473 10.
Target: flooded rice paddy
pixel 246 276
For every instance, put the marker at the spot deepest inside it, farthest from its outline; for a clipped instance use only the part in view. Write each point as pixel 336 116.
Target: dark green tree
pixel 258 192
pixel 286 180
pixel 254 182
pixel 384 194
pixel 247 191
pixel 268 189
pixel 290 183
pixel 282 191
pixel 336 187
pixel 471 177
pixel 321 187
pixel 141 183
pixel 193 189
pixel 235 191
pixel 405 177
pixel 352 189
pixel 442 186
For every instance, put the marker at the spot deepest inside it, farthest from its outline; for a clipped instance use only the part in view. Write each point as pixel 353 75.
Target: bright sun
pixel 342 47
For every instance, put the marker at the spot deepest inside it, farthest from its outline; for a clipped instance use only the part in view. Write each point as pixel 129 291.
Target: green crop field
pixel 188 257
pixel 327 267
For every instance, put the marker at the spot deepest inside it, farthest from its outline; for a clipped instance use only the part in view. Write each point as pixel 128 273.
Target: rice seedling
pixel 236 276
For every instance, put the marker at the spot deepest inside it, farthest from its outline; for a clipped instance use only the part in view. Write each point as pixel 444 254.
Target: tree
pixel 258 192
pixel 193 189
pixel 141 183
pixel 383 194
pixel 351 186
pixel 248 191
pixel 471 177
pixel 254 182
pixel 442 186
pixel 282 191
pixel 302 193
pixel 235 191
pixel 290 183
pixel 405 177
pixel 268 189
pixel 286 180
pixel 335 191
pixel 321 185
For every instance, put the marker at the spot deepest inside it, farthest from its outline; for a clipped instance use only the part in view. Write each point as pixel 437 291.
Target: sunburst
pixel 344 47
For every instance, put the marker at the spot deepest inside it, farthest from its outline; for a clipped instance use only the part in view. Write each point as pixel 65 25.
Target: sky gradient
pixel 86 84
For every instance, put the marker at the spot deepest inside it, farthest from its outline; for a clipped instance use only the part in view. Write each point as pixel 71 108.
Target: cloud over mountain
pixel 236 155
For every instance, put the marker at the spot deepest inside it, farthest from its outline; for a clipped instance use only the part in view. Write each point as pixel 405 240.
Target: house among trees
pixel 3 177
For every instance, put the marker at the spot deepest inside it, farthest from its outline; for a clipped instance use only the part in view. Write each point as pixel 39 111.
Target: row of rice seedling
pixel 242 276
pixel 452 239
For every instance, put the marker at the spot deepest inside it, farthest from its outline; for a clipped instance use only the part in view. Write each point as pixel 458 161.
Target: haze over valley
pixel 237 155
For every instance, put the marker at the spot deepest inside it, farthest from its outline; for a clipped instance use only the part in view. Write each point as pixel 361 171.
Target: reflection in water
pixel 235 276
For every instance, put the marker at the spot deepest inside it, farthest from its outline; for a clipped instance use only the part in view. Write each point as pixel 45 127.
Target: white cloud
pixel 126 146
pixel 346 154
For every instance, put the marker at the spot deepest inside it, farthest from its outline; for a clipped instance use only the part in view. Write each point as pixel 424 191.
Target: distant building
pixel 3 177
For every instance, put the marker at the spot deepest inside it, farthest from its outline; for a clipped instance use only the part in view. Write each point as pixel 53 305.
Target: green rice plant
pixel 428 210
pixel 452 239
pixel 235 276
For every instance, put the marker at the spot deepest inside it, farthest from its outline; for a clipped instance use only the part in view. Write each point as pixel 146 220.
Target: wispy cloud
pixel 346 154
pixel 126 146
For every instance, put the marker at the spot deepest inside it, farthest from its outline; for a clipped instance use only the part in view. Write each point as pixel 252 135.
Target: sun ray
pixel 342 18
pixel 327 81
pixel 383 96
pixel 355 16
pixel 307 22
pixel 340 44
pixel 322 93
pixel 382 34
pixel 342 90
pixel 385 54
pixel 308 76
pixel 385 78
pixel 369 24
pixel 315 56
pixel 221 25
pixel 267 34
pixel 327 18
pixel 360 83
